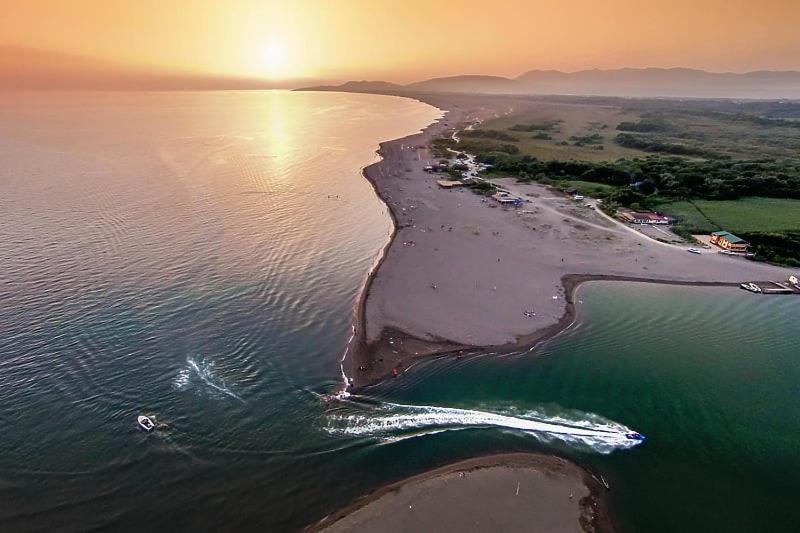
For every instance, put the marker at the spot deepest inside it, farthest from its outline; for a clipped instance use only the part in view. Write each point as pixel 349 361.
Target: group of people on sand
pixel 529 313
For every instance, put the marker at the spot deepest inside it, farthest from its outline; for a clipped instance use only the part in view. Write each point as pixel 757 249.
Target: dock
pixel 771 287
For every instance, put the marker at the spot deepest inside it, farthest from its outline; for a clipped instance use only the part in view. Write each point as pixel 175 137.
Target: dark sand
pixel 511 492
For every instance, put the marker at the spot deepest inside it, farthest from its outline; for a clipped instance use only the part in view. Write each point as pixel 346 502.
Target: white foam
pixel 204 372
pixel 394 422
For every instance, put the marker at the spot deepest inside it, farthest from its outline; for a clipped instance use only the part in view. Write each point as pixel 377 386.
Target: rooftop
pixel 730 237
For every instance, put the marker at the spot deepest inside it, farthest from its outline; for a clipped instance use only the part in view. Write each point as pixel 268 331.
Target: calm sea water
pixel 196 257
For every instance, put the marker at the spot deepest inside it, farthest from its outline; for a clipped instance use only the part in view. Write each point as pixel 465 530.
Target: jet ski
pixel 145 423
pixel 635 436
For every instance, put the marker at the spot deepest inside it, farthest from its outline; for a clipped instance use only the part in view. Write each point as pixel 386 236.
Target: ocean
pixel 197 256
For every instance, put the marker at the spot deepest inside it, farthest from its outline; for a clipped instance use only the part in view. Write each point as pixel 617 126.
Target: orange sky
pixel 406 40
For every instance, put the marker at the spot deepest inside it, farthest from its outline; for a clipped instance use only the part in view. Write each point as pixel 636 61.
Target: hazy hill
pixel 627 82
pixel 468 84
pixel 362 86
pixel 664 82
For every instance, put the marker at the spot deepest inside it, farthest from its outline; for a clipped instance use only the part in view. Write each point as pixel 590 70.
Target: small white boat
pixel 694 251
pixel 145 423
pixel 752 287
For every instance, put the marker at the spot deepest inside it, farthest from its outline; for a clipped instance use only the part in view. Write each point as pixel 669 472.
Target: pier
pixel 772 287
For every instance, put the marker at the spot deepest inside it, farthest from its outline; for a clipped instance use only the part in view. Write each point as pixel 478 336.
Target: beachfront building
pixel 644 218
pixel 729 241
pixel 449 184
pixel 504 198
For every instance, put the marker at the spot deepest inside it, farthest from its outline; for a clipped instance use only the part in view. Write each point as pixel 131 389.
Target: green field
pixel 746 215
pixel 586 188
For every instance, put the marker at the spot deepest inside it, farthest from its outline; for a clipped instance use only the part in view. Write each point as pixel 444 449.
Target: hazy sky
pixel 405 40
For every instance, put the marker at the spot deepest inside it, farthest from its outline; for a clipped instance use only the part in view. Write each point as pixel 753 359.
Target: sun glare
pixel 275 64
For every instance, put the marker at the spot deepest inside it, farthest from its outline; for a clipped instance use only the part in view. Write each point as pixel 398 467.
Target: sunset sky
pixel 407 40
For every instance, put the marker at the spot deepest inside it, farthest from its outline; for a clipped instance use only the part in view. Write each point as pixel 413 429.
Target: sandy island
pixel 510 492
pixel 462 274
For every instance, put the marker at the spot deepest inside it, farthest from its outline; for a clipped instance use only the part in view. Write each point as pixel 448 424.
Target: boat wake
pixel 204 372
pixel 391 422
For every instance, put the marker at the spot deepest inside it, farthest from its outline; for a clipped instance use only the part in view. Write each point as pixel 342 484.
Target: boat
pixel 752 287
pixel 145 423
pixel 635 436
pixel 794 281
pixel 694 251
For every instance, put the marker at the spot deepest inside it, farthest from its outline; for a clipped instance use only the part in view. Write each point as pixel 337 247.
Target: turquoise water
pixel 710 376
pixel 197 256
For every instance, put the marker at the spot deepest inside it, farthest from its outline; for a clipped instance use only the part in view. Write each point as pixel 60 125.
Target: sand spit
pixel 464 275
pixel 509 492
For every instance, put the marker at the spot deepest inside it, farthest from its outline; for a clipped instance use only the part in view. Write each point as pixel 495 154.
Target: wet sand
pixel 510 492
pixel 463 275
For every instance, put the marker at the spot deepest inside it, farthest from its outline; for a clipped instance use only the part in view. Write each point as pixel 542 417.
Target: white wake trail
pixel 204 372
pixel 393 422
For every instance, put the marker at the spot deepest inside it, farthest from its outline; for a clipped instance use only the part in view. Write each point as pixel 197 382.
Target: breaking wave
pixel 204 372
pixel 391 422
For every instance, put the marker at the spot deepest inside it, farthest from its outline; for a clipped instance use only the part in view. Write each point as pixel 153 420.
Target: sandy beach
pixel 509 492
pixel 463 274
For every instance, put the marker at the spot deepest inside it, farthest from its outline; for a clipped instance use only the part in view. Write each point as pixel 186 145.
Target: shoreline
pixel 387 344
pixel 594 509
pixel 370 357
pixel 527 342
pixel 357 347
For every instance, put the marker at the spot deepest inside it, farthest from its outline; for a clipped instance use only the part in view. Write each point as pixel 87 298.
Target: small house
pixel 729 241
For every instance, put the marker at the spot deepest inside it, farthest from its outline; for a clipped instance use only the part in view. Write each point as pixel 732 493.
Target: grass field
pixel 705 133
pixel 768 215
pixel 573 120
pixel 586 188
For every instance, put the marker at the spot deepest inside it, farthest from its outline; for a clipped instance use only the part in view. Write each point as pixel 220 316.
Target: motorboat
pixel 635 436
pixel 694 251
pixel 752 287
pixel 145 423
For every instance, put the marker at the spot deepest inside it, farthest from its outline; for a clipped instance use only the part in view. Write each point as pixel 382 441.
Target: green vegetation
pixel 745 215
pixel 490 134
pixel 593 138
pixel 699 158
pixel 548 125
pixel 650 144
pixel 586 188
pixel 652 125
pixel 488 147
pixel 484 188
pixel 441 147
pixel 772 225
pixel 711 134
pixel 654 179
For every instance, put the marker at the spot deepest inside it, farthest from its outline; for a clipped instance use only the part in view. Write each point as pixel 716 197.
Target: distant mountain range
pixel 28 68
pixel 649 82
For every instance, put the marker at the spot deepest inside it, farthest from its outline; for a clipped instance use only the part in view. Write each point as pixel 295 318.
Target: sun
pixel 274 60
